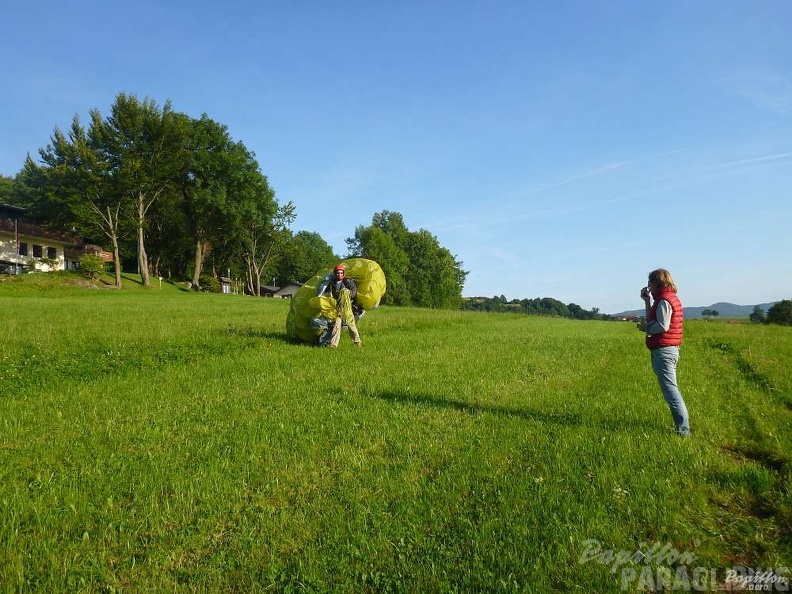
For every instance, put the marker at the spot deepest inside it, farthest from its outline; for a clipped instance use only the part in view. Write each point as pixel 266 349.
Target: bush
pixel 210 283
pixel 92 266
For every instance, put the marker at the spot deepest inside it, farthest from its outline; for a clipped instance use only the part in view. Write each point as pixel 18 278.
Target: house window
pixel 52 253
pixel 22 248
pixel 37 251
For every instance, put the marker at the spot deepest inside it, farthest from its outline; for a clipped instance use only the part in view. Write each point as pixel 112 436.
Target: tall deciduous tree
pixel 303 255
pixel 262 236
pixel 780 313
pixel 374 243
pixel 217 177
pixel 141 143
pixel 74 186
pixel 757 315
pixel 149 176
pixel 419 270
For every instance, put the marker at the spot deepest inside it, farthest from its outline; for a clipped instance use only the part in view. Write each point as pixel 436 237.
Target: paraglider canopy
pixel 307 306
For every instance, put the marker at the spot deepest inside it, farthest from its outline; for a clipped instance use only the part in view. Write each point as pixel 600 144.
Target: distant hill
pixel 725 310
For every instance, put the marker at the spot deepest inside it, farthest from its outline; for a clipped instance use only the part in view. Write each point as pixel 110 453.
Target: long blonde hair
pixel 663 279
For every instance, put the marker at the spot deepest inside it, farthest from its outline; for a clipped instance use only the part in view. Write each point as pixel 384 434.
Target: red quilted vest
pixel 672 336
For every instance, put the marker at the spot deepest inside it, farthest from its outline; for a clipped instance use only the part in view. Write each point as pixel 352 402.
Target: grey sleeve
pixel 663 321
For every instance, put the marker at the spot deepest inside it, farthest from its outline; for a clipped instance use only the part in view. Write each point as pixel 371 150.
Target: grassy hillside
pixel 161 440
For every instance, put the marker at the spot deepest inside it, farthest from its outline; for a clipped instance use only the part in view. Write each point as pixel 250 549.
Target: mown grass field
pixel 164 441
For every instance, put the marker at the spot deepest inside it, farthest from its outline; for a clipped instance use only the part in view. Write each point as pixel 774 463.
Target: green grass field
pixel 156 440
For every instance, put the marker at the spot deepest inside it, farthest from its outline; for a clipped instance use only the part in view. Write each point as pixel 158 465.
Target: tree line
pixel 169 194
pixel 779 313
pixel 544 306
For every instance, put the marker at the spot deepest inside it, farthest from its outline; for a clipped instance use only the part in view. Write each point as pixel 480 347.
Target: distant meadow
pixel 163 440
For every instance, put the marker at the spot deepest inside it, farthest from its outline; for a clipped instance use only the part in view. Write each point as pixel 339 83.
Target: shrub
pixel 210 283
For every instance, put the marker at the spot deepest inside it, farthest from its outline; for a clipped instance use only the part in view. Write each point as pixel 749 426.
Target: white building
pixel 26 247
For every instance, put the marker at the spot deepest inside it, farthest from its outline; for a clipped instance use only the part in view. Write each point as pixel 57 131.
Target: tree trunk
pixel 142 256
pixel 116 261
pixel 255 272
pixel 198 265
pixel 143 259
pixel 249 279
pixel 111 230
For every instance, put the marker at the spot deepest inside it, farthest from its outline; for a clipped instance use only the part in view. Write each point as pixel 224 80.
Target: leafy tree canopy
pixel 780 313
pixel 166 191
pixel 420 272
pixel 758 315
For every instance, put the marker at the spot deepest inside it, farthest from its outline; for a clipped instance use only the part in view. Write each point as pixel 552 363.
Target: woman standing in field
pixel 663 327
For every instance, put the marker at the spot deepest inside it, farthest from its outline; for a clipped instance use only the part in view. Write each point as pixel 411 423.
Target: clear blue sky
pixel 559 149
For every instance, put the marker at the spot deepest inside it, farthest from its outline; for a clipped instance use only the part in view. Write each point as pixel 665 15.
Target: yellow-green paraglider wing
pixel 370 281
pixel 306 306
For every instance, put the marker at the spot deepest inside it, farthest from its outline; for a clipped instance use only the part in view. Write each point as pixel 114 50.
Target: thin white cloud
pixel 504 207
pixel 504 212
pixel 750 161
pixel 575 178
pixel 765 88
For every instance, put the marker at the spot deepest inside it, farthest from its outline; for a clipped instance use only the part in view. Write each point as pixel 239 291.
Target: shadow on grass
pixel 265 335
pixel 567 419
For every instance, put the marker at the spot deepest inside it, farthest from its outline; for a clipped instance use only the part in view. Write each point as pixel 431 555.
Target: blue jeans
pixel 664 362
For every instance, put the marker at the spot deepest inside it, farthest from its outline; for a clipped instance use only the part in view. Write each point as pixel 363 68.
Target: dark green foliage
pixel 92 266
pixel 419 271
pixel 210 284
pixel 7 190
pixel 545 306
pixel 168 194
pixel 758 315
pixel 303 255
pixel 780 313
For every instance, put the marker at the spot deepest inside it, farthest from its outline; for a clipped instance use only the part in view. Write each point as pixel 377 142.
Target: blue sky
pixel 559 149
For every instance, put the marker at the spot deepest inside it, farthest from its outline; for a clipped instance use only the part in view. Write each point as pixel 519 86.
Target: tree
pixel 435 278
pixel 303 254
pixel 780 313
pixel 419 271
pixel 7 193
pixel 263 238
pixel 140 142
pixel 170 185
pixel 710 313
pixel 758 315
pixel 73 186
pixel 214 173
pixel 375 244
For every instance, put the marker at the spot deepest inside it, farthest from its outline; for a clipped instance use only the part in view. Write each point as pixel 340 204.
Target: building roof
pixel 10 210
pixel 8 225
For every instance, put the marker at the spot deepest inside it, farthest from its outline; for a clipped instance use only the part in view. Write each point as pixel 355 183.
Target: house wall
pixel 8 249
